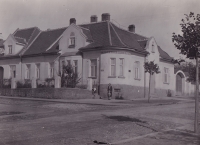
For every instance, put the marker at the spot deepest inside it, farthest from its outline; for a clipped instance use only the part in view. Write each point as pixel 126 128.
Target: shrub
pixel 24 84
pixel 49 82
pixel 119 97
pixel 69 78
pixel 169 93
pixel 6 83
pixel 81 86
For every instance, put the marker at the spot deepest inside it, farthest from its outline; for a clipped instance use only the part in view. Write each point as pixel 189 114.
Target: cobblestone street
pixel 36 122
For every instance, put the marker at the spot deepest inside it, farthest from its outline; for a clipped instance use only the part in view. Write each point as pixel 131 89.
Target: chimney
pixel 105 17
pixel 93 19
pixel 131 28
pixel 72 20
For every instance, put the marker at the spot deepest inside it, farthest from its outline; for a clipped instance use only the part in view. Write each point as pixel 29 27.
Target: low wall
pixel 48 93
pixel 132 92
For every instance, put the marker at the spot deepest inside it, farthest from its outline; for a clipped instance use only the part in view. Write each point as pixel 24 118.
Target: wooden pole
pixel 196 126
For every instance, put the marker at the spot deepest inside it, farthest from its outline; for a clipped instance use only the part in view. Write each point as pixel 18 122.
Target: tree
pixel 188 42
pixel 69 77
pixel 151 68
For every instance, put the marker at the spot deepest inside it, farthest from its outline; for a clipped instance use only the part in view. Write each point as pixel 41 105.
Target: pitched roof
pixel 44 41
pixel 20 40
pixel 164 54
pixel 28 34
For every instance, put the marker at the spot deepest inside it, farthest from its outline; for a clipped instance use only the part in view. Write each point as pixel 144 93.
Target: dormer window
pixel 153 47
pixel 72 40
pixel 10 49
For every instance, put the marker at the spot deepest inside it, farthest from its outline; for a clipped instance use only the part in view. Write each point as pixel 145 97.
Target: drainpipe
pixel 99 73
pixel 21 65
pixel 144 78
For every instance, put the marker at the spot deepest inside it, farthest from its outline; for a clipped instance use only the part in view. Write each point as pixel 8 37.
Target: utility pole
pixel 196 121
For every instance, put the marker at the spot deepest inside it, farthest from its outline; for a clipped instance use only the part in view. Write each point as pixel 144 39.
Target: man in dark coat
pixel 109 91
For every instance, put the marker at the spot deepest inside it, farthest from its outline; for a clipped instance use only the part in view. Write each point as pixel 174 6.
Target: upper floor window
pixel 137 70
pixel 93 67
pixel 113 66
pixel 76 66
pixel 153 47
pixel 13 71
pixel 10 50
pixel 121 67
pixel 28 71
pixel 72 40
pixel 37 71
pixel 166 75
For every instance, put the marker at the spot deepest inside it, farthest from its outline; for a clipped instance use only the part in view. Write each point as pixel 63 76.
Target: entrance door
pixel 179 84
pixel 1 77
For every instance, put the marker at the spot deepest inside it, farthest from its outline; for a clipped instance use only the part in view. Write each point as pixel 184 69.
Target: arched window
pixel 72 41
pixel 153 47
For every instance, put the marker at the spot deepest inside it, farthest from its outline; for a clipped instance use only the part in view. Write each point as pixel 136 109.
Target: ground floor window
pixel 137 70
pixel 51 70
pixel 13 71
pixel 37 71
pixel 27 71
pixel 113 66
pixel 166 75
pixel 93 67
pixel 76 66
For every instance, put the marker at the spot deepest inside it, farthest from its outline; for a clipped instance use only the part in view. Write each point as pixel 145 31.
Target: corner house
pixel 101 52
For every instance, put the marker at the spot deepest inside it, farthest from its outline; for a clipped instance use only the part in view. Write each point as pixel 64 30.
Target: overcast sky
pixel 157 18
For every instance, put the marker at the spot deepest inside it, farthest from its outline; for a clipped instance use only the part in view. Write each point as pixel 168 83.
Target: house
pixel 100 52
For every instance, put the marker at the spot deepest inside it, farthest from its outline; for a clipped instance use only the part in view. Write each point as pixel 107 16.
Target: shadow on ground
pixel 125 118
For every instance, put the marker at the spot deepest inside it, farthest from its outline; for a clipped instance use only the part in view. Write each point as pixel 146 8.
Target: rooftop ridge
pixel 33 33
pixel 92 23
pixel 27 28
pixel 54 29
pixel 129 31
pixel 83 28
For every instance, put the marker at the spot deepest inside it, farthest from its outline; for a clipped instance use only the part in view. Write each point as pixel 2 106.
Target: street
pixel 34 122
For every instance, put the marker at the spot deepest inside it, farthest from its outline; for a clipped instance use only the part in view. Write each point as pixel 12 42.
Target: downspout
pixel 21 65
pixel 99 74
pixel 145 77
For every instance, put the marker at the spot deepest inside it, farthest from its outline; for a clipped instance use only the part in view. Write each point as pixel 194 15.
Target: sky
pixel 157 18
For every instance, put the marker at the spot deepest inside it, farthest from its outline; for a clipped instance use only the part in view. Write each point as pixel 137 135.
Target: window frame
pixel 10 49
pixel 28 74
pixel 137 70
pixel 114 64
pixel 121 67
pixel 38 71
pixel 93 67
pixel 75 66
pixel 166 75
pixel 13 71
pixel 72 40
pixel 51 70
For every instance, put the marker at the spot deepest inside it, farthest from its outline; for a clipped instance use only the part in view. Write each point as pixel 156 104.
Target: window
pixel 113 66
pixel 13 71
pixel 137 70
pixel 72 40
pixel 10 49
pixel 166 75
pixel 93 68
pixel 28 71
pixel 37 71
pixel 121 67
pixel 68 62
pixel 153 47
pixel 76 66
pixel 51 70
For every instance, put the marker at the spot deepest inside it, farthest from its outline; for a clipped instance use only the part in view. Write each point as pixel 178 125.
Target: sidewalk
pixel 97 101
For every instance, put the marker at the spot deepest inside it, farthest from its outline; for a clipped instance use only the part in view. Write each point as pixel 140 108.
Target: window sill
pixel 71 46
pixel 165 83
pixel 137 79
pixel 111 76
pixel 121 77
pixel 92 77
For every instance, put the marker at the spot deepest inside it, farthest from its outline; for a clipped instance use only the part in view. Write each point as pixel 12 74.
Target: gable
pixel 78 35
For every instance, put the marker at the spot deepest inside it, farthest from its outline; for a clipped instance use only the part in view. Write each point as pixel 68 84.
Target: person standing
pixel 94 91
pixel 109 91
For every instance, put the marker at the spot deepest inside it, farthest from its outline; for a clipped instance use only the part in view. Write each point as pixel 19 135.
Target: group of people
pixel 109 91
